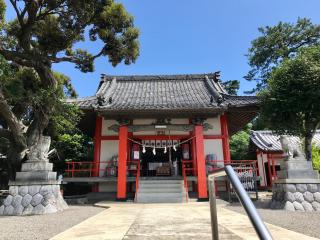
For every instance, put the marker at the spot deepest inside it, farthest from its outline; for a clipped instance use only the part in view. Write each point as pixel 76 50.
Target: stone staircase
pixel 161 191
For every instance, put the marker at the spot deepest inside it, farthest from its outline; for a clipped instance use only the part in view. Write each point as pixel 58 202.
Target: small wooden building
pixel 269 153
pixel 172 126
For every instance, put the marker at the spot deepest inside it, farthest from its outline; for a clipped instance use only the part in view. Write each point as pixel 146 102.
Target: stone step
pixel 161 194
pixel 161 200
pixel 156 185
pixel 161 181
pixel 298 174
pixel 36 166
pixel 296 165
pixel 36 176
pixel 160 190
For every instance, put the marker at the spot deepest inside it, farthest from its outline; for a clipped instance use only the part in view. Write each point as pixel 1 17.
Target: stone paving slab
pixel 165 222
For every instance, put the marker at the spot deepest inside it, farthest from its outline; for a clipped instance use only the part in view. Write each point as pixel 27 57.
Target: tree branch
pixel 20 58
pixel 19 16
pixel 15 125
pixel 5 133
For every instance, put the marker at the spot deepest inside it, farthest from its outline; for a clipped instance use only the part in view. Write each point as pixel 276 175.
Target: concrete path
pixel 165 222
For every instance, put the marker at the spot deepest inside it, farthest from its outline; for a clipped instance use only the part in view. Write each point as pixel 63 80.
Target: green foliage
pixel 45 33
pixel 231 86
pixel 291 102
pixel 2 11
pixel 56 26
pixel 239 145
pixel 74 147
pixel 258 123
pixel 276 44
pixel 316 157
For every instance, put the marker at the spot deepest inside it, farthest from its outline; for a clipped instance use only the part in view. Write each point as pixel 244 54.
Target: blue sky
pixel 193 36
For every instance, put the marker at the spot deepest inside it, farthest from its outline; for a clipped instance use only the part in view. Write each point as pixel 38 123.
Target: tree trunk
pixel 13 161
pixel 308 145
pixel 20 142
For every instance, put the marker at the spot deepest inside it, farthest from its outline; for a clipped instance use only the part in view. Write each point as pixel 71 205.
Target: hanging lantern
pixel 165 150
pixel 154 151
pixel 143 149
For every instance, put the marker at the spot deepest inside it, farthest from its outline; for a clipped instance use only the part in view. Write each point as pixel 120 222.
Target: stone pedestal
pixel 35 190
pixel 296 195
pixel 298 185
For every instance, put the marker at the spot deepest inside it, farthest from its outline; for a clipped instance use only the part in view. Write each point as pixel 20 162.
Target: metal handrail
pixel 245 200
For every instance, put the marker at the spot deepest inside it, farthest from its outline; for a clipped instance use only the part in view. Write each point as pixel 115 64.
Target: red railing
pixel 213 165
pixel 90 169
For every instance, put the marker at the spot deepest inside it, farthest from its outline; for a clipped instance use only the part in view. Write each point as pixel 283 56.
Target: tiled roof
pixel 198 92
pixel 270 142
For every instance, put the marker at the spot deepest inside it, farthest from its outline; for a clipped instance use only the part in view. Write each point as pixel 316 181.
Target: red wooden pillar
pixel 225 138
pixel 201 164
pixel 122 163
pixel 129 157
pixel 194 163
pixel 96 152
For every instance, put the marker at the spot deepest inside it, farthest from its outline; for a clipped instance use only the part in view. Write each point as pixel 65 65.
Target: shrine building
pixel 270 154
pixel 157 129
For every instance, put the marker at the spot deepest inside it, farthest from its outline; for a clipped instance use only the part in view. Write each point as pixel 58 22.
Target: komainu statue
pixel 39 152
pixel 292 151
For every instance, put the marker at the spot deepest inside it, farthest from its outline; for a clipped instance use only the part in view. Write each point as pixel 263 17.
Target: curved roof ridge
pixel 158 77
pixel 213 90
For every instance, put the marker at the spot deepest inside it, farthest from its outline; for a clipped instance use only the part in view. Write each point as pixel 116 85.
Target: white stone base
pixel 33 200
pixel 303 197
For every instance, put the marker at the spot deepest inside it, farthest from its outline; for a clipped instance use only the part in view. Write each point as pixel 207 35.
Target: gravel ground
pixel 44 226
pixel 307 223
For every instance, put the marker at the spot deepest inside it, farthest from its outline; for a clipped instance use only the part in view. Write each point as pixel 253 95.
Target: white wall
pixel 178 121
pixel 213 146
pixel 106 123
pixel 215 122
pixel 144 122
pixel 109 148
pixel 262 174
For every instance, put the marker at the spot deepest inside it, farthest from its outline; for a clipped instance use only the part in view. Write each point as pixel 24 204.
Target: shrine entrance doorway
pixel 159 162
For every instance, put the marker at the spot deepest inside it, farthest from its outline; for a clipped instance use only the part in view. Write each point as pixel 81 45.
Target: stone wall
pixel 33 199
pixel 304 197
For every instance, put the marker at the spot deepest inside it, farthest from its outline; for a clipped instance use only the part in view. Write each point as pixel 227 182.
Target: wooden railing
pixel 89 169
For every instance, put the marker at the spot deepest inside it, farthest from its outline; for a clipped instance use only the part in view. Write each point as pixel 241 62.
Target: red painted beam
pixel 201 164
pixel 161 137
pixel 109 138
pixel 213 136
pixel 122 163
